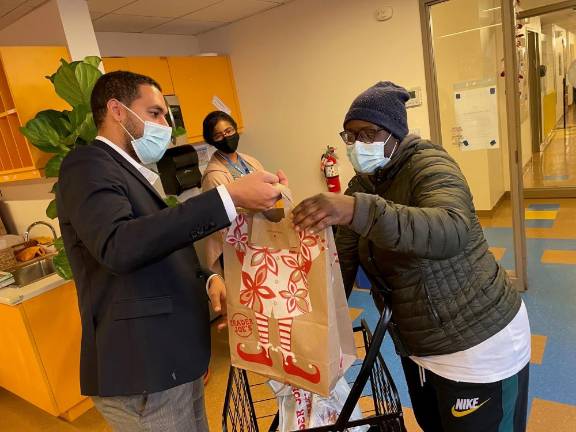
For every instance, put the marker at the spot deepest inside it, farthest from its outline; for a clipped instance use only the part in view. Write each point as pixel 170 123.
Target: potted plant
pixel 58 132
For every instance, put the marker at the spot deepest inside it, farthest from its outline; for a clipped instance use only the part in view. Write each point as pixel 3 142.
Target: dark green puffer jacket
pixel 416 235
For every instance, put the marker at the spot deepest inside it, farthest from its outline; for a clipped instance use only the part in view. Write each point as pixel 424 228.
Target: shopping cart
pixel 240 412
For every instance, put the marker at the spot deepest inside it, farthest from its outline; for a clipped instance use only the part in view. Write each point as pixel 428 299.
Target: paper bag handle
pixel 276 224
pixel 283 206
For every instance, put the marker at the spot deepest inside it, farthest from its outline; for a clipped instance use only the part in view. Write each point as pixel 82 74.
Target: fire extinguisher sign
pixel 329 167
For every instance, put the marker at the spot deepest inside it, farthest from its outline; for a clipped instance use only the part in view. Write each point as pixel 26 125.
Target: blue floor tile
pixel 539 223
pixel 551 304
pixel 543 206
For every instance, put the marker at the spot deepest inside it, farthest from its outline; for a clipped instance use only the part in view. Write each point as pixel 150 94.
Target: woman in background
pixel 221 131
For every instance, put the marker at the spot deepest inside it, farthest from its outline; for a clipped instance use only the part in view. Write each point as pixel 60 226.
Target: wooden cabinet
pixel 40 355
pixel 154 67
pixel 24 91
pixel 112 64
pixel 197 81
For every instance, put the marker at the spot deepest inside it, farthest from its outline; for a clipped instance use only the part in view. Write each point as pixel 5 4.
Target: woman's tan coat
pixel 217 174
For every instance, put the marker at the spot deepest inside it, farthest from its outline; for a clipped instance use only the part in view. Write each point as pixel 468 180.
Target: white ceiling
pixel 565 19
pixel 13 10
pixel 531 4
pixel 185 17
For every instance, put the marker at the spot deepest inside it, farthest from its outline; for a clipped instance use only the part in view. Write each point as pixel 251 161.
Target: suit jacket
pixel 141 289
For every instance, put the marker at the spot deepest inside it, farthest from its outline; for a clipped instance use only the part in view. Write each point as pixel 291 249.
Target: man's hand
pixel 282 177
pixel 322 210
pixel 217 295
pixel 256 191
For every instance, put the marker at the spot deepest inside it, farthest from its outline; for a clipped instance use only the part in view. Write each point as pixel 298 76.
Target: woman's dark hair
pixel 210 122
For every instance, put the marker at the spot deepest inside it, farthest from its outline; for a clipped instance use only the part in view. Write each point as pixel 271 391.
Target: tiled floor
pixel 556 165
pixel 551 303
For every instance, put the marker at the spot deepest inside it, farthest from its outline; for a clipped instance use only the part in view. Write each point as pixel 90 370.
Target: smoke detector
pixel 383 13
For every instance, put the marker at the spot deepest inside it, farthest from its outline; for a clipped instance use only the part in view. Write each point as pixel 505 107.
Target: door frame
pixel 519 277
pixel 535 89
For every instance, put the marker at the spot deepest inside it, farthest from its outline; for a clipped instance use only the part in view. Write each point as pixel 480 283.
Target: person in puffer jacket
pixel 408 220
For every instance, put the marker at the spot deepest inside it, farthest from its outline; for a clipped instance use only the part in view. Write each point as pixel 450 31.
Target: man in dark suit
pixel 142 293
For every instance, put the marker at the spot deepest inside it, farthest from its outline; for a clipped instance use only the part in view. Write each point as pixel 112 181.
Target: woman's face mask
pixel 367 158
pixel 228 144
pixel 152 145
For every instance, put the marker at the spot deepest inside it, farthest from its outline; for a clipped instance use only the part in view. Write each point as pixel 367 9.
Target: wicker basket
pixel 7 259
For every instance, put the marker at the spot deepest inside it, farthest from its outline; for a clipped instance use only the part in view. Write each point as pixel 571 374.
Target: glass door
pixel 466 82
pixel 547 52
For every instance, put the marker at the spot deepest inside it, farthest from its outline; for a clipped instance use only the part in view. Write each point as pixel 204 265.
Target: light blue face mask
pixel 152 145
pixel 367 158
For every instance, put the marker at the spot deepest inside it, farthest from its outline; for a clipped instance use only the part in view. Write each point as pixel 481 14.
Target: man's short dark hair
pixel 210 122
pixel 121 85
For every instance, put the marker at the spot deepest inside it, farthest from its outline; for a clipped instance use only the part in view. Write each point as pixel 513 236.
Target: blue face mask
pixel 152 145
pixel 367 158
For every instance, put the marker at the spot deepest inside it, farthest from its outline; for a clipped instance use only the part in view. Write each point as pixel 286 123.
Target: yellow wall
pixel 298 67
pixel 549 113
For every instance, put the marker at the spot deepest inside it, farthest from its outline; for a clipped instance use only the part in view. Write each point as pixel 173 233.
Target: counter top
pixel 13 296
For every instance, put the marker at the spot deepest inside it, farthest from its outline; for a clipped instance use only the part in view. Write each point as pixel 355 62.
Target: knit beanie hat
pixel 384 105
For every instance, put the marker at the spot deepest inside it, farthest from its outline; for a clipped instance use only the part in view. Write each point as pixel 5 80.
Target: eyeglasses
pixel 229 131
pixel 366 135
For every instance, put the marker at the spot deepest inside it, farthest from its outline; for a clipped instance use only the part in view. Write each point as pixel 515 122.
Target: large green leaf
pixel 86 75
pixel 70 140
pixel 42 135
pixel 62 265
pixel 82 123
pixel 53 166
pixel 59 244
pixel 53 76
pixel 88 131
pixel 171 201
pixel 93 60
pixel 65 124
pixel 74 82
pixel 56 119
pixel 178 131
pixel 51 210
pixel 67 85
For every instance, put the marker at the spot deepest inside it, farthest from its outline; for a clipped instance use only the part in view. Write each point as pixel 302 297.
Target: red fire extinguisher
pixel 329 166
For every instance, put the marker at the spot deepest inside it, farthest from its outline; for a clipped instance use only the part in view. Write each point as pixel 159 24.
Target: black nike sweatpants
pixel 442 405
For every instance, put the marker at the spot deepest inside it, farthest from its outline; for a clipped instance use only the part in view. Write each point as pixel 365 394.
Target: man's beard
pixel 132 128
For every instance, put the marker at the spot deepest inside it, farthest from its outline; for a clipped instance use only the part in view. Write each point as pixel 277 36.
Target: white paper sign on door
pixel 476 111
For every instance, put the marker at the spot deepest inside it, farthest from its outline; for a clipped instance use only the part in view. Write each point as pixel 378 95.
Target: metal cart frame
pixel 239 414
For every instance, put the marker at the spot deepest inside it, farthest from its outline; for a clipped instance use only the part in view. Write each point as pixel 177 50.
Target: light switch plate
pixel 415 97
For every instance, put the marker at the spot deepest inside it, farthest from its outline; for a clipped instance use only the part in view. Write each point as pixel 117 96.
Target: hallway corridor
pixel 556 165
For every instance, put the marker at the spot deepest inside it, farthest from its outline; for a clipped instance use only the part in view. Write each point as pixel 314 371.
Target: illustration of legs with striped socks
pixel 262 356
pixel 312 373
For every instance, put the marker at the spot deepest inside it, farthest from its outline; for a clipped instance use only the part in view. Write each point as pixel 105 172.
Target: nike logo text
pixel 463 407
